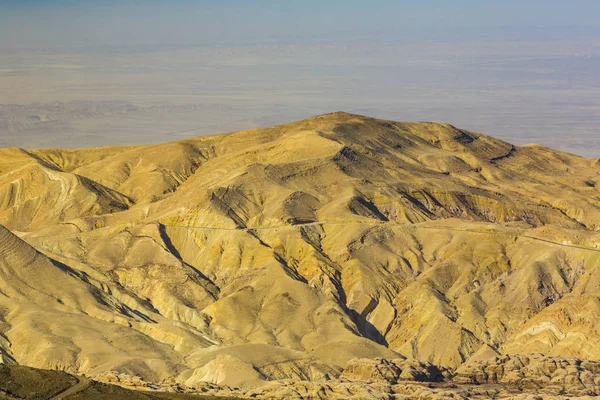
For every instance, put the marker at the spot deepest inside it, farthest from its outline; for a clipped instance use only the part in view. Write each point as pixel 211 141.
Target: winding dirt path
pixel 319 223
pixel 572 246
pixel 82 384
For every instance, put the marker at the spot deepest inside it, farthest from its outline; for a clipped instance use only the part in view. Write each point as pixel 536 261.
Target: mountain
pixel 291 251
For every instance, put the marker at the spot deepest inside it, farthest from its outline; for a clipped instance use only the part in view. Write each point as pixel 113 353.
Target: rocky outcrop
pixel 515 377
pixel 392 371
pixel 534 373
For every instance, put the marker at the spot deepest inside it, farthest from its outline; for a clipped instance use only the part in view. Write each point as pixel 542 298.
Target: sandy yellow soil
pixel 286 252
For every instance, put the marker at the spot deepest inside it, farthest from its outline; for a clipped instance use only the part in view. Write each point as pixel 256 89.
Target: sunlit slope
pixel 287 251
pixel 55 316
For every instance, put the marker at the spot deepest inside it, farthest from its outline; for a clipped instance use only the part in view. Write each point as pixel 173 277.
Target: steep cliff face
pixel 285 252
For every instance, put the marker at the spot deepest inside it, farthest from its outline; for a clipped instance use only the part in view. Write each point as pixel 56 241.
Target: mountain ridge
pixel 292 250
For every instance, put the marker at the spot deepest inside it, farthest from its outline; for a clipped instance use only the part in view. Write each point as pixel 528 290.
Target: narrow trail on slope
pixel 573 246
pixel 322 223
pixel 82 384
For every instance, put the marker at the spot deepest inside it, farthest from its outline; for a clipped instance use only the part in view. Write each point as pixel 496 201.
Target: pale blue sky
pixel 50 23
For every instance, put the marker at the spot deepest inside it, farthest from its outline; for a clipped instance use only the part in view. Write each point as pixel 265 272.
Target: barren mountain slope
pixel 285 252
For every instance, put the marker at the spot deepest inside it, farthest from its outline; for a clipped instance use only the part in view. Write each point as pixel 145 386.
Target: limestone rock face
pixel 392 371
pixel 535 372
pixel 225 370
pixel 506 377
pixel 284 253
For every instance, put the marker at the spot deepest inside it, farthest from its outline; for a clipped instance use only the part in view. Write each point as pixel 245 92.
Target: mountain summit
pixel 290 252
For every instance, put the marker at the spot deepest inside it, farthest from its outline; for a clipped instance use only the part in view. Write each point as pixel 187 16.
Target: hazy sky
pixel 133 71
pixel 50 23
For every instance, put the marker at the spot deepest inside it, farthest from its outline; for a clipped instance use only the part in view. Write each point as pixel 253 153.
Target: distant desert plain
pixel 534 89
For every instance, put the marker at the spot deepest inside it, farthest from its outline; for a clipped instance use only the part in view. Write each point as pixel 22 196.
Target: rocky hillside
pixel 286 252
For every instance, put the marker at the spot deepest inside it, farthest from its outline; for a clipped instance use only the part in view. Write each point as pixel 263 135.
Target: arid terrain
pixel 339 256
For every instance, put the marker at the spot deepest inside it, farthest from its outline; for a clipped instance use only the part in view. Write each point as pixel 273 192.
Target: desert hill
pixel 26 383
pixel 287 252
